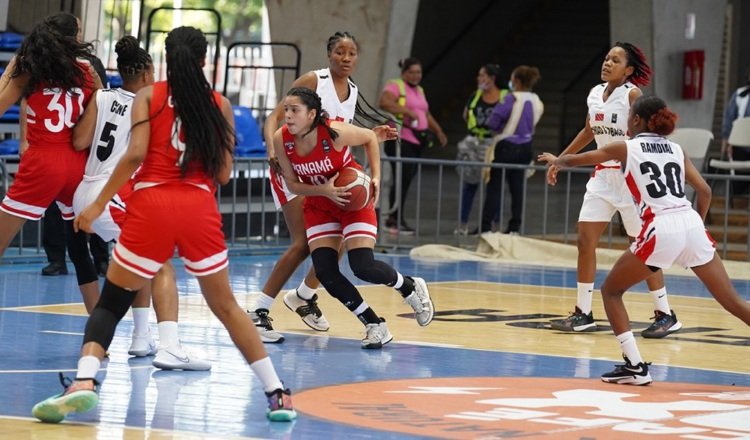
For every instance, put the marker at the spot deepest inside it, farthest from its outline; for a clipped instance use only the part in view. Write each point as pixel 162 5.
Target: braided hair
pixel 132 60
pixel 641 75
pixel 312 101
pixel 338 36
pixel 49 55
pixel 207 133
pixel 660 119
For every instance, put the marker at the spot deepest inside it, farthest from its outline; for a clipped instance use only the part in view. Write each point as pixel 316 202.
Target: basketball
pixel 358 184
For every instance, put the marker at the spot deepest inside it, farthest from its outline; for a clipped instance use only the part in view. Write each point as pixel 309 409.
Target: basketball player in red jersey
pixel 52 73
pixel 339 95
pixel 311 150
pixel 655 170
pixel 183 137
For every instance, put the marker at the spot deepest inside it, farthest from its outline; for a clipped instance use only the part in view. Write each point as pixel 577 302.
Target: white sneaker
pixel 142 345
pixel 420 301
pixel 263 324
pixel 308 310
pixel 176 358
pixel 376 335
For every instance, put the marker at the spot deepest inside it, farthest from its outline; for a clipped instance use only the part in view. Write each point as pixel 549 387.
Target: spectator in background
pixel 406 100
pixel 737 107
pixel 515 118
pixel 473 148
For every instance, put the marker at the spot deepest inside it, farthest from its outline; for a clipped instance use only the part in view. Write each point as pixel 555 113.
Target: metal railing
pixel 432 207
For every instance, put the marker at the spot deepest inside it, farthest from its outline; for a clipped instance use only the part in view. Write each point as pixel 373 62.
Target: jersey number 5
pixel 668 180
pixel 106 142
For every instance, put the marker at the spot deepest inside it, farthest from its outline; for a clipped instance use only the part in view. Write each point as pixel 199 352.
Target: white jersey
pixel 336 109
pixel 655 175
pixel 609 119
pixel 112 132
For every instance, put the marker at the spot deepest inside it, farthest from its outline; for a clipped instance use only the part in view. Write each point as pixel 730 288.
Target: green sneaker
pixel 72 400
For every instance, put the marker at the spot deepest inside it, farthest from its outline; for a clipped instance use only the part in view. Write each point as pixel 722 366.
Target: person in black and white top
pixel 736 108
pixel 105 128
pixel 656 170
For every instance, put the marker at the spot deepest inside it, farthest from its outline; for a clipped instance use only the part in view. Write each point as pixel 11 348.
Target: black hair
pixel 50 57
pixel 65 23
pixel 406 63
pixel 132 60
pixel 660 119
pixel 312 101
pixel 493 70
pixel 637 60
pixel 207 133
pixel 338 36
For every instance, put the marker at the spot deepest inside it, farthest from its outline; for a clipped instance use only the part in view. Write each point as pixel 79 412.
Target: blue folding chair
pixel 249 142
pixel 13 114
pixel 9 147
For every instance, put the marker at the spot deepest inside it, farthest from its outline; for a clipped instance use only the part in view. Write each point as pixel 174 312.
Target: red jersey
pixel 166 146
pixel 322 163
pixel 53 112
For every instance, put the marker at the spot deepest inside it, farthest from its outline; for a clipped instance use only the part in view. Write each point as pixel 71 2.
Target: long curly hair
pixel 50 56
pixel 207 133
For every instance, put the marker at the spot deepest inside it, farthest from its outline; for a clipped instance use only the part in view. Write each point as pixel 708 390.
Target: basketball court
pixel 487 367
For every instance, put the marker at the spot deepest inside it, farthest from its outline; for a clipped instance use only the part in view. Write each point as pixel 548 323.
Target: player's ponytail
pixel 312 101
pixel 132 59
pixel 661 120
pixel 641 75
pixel 207 133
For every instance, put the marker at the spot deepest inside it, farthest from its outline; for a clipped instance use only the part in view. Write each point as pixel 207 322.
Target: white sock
pixel 168 334
pixel 305 292
pixel 140 320
pixel 399 281
pixel 88 366
pixel 661 303
pixel 267 374
pixel 585 297
pixel 263 301
pixel 629 348
pixel 362 307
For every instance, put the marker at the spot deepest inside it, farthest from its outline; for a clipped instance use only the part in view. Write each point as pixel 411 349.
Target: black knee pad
pixel 326 262
pixel 113 303
pixel 78 250
pixel 367 268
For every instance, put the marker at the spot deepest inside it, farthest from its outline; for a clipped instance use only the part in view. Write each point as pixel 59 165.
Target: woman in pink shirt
pixel 405 99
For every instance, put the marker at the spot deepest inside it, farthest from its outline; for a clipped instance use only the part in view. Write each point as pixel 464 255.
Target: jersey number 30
pixel 663 181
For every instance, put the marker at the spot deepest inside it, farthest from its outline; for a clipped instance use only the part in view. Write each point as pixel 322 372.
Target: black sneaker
pixel 576 322
pixel 263 324
pixel 662 326
pixel 629 374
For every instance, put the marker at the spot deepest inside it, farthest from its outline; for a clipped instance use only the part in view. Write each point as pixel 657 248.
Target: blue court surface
pixel 487 367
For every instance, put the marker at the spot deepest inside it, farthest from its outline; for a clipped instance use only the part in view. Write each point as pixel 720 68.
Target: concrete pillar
pixel 659 28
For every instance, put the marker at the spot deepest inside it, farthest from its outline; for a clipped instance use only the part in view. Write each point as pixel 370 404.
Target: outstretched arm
pixel 613 151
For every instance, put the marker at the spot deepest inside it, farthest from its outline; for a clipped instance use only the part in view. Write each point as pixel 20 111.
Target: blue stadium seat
pixel 12 114
pixel 249 140
pixel 10 41
pixel 9 146
pixel 113 81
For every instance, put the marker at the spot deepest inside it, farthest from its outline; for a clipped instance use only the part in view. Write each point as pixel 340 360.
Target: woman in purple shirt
pixel 514 118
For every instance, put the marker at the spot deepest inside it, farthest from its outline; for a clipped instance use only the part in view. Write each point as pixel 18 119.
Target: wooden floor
pixel 488 366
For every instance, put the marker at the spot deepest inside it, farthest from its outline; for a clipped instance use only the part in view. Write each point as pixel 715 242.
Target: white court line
pixel 55 332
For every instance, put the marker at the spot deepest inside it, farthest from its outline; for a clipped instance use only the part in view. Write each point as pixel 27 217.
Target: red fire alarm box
pixel 692 74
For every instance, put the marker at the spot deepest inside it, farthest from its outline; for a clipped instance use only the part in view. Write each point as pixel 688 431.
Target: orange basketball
pixel 358 184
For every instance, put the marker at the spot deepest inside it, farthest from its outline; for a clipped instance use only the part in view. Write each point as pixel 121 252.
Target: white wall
pixel 658 27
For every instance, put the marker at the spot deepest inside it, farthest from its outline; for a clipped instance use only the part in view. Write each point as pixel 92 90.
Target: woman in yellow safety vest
pixel 473 148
